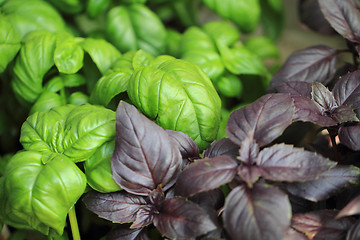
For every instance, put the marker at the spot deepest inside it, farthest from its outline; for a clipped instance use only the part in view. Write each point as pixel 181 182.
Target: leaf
pixel 344 114
pixel 46 101
pixel 110 85
pixel 244 13
pixel 119 207
pixel 145 155
pixel 295 88
pixel 98 169
pixel 101 52
pixel 222 146
pixel 135 27
pixel 354 232
pixel 179 218
pixel 197 47
pixel 206 174
pixel 322 96
pixel 308 111
pixel 75 131
pixel 264 120
pixel 249 174
pixel 9 43
pixel 249 150
pixel 262 212
pixel 326 184
pixel 349 136
pixel 222 31
pixel 285 163
pixel 315 63
pixel 68 55
pixel 272 18
pixel 321 225
pixel 29 74
pixel 352 208
pixel 263 47
pixel 125 233
pixel 343 17
pixel 347 90
pixel 144 217
pixel 40 195
pixel 95 7
pixel 32 15
pixel 177 95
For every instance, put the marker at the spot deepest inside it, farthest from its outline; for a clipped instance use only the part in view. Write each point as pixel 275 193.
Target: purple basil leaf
pixel 222 146
pixel 352 208
pixel 179 218
pixel 322 96
pixel 144 216
pixel 285 163
pixel 188 147
pixel 120 207
pixel 264 120
pixel 249 151
pixel 321 225
pixel 206 174
pixel 249 174
pixel 145 156
pixel 156 197
pixel 317 63
pixel 347 90
pixel 291 234
pixel 311 16
pixel 123 232
pixel 350 136
pixel 261 213
pixel 343 17
pixel 344 114
pixel 213 199
pixel 327 184
pixel 307 110
pixel 354 231
pixel 295 88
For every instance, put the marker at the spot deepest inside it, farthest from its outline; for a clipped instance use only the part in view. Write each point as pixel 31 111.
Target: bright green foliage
pixel 9 43
pixel 177 95
pixel 135 26
pixel 75 131
pixel 262 47
pixel 272 18
pixel 98 169
pixel 38 190
pixel 229 85
pixel 31 15
pixel 68 6
pixel 244 13
pixel 95 7
pixel 173 43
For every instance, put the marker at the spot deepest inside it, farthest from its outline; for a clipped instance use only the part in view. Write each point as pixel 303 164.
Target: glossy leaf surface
pixel 343 17
pixel 326 184
pixel 119 207
pixel 315 63
pixel 347 90
pixel 145 155
pixel 179 218
pixel 177 95
pixel 262 212
pixel 352 208
pixel 206 174
pixel 264 120
pixel 222 146
pixel 349 136
pixel 39 195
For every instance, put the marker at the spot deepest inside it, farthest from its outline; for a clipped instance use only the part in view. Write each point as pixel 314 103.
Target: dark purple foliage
pixel 350 136
pixel 222 146
pixel 354 232
pixel 124 233
pixel 352 208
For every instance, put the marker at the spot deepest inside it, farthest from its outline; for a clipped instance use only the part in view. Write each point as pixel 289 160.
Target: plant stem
pixel 334 145
pixel 74 224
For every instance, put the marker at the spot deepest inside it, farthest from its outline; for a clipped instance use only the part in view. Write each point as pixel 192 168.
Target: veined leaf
pixel 349 136
pixel 347 90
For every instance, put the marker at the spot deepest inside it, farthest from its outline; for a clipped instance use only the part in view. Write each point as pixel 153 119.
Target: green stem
pixel 74 224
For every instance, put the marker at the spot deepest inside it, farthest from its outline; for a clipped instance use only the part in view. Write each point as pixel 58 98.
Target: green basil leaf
pixel 68 55
pixel 125 61
pixel 272 18
pixel 40 195
pixel 98 169
pixel 28 74
pixel 229 85
pixel 177 95
pixel 95 7
pixel 73 80
pixel 135 27
pixel 110 85
pixel 78 98
pixel 240 60
pixel 141 59
pixel 222 31
pixel 75 131
pixel 262 47
pixel 101 52
pixel 68 6
pixel 46 101
pixel 244 13
pixel 198 48
pixel 173 43
pixel 31 15
pixel 9 43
